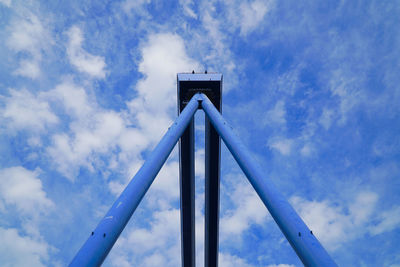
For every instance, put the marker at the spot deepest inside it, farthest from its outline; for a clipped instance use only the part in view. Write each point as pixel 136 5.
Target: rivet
pixel 104 235
pixel 299 234
pixel 311 233
pixel 92 233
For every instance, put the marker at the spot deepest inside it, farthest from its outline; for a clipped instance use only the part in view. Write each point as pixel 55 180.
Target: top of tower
pixel 209 84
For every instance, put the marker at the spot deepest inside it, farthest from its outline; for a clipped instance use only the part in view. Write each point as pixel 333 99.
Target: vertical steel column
pixel 212 177
pixel 102 239
pixel 187 181
pixel 307 247
pixel 189 84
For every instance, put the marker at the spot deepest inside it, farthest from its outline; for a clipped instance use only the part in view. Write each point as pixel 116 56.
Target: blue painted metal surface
pixel 96 248
pixel 307 247
pixel 200 77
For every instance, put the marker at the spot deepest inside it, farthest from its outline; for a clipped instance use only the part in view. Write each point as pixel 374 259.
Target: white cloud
pixel 25 35
pixel 6 2
pixel 163 56
pixel 187 6
pixel 160 244
pixel 17 250
pixel 247 209
pixel 306 150
pixel 327 222
pixel 88 141
pixel 276 115
pixel 136 6
pixel 227 260
pixel 346 88
pixel 335 225
pixel 284 146
pixel 200 227
pixel 23 189
pixel 252 14
pixel 28 68
pixel 289 82
pixel 326 118
pixel 81 59
pixel 199 163
pixel 23 110
pixel 29 36
pixel 155 259
pixel 164 228
pixel 212 25
pixel 247 16
pixel 95 131
pixel 363 206
pixel 167 182
pixel 218 54
pixel 72 98
pixel 386 221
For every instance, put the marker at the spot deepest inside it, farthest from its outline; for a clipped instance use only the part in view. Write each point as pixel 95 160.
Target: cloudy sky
pixel 88 89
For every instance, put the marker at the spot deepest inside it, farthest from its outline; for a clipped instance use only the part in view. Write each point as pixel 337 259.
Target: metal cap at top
pixel 199 77
pixel 209 84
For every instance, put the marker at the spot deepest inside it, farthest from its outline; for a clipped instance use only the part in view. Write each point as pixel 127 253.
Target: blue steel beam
pixel 306 245
pixel 102 239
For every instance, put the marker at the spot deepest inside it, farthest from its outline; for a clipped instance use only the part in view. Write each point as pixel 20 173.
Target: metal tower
pixel 200 91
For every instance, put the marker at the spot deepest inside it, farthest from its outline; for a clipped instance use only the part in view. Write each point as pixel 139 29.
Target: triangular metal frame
pixel 102 239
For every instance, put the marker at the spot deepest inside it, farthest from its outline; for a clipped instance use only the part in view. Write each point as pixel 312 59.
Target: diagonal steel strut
pixel 102 239
pixel 306 245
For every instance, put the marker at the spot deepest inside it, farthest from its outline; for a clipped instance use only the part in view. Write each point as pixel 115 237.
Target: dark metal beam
pixel 189 85
pixel 212 177
pixel 187 184
pixel 187 181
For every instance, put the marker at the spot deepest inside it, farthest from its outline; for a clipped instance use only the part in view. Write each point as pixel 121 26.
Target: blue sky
pixel 88 89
